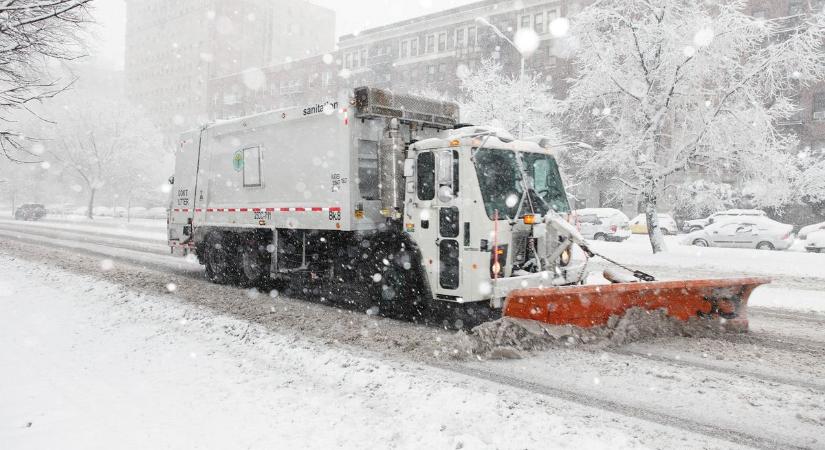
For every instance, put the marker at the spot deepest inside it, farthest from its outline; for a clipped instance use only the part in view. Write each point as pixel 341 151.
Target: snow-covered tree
pixel 494 98
pixel 666 86
pixel 105 142
pixel 33 33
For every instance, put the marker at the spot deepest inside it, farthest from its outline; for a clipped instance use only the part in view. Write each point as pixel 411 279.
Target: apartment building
pixel 174 47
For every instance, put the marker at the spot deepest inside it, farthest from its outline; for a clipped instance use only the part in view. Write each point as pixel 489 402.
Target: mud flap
pixel 589 306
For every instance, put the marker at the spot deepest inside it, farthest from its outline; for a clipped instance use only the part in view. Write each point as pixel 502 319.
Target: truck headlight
pixel 564 260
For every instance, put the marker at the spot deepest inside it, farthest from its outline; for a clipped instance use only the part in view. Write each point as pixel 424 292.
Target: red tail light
pixel 614 228
pixel 786 236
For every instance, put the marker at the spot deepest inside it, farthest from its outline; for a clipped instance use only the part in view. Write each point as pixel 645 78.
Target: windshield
pixel 504 186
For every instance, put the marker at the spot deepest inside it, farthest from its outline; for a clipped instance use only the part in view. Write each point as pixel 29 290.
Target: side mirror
pixel 409 168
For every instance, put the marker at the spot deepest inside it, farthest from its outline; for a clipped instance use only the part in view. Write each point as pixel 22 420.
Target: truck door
pixel 437 225
pixel 449 219
pixel 184 197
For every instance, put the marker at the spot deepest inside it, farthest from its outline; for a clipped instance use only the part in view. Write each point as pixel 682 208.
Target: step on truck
pixel 379 190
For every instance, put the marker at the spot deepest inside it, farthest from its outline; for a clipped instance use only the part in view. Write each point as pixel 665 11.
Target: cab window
pixel 425 176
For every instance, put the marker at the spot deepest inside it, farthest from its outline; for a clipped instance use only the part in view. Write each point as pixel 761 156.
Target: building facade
pixel 174 47
pixel 426 54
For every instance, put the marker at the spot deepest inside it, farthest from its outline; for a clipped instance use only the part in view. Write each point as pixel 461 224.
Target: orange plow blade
pixel 589 306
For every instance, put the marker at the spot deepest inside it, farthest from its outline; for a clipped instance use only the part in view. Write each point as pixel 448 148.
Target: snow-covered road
pixel 90 365
pixel 763 390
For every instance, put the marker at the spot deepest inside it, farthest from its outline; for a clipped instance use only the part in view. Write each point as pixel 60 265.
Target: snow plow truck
pixel 392 193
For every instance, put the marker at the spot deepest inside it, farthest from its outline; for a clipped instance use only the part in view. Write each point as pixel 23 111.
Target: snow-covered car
pixel 805 231
pixel 666 222
pixel 603 224
pixel 748 232
pixel 698 224
pixel 815 242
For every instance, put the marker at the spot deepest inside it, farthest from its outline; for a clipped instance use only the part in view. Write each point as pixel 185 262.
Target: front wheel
pixel 701 243
pixel 765 246
pixel 600 237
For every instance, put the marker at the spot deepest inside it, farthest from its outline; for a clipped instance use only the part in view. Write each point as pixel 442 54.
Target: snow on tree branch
pixel 33 34
pixel 669 86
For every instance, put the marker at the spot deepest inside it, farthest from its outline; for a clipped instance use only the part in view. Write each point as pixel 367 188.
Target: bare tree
pixel 105 142
pixel 671 85
pixel 32 33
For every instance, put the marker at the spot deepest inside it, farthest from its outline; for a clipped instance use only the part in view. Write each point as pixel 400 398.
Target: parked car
pixel 30 211
pixel 805 231
pixel 603 224
pixel 815 241
pixel 747 232
pixel 666 222
pixel 698 224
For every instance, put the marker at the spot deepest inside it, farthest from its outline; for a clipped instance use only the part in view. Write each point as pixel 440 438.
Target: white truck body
pixel 372 189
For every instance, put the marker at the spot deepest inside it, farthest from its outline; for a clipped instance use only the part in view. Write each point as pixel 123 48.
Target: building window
pixel 471 37
pixel 404 49
pixel 431 74
pixel 819 106
pixel 442 42
pixel 538 23
pixel 459 38
pixel 442 72
pixel 363 57
pixel 414 47
pixel 355 61
pixel 552 15
pixel 430 44
pixel 525 21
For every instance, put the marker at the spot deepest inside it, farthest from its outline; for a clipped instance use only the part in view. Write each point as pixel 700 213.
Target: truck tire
pixel 222 262
pixel 254 263
pixel 399 290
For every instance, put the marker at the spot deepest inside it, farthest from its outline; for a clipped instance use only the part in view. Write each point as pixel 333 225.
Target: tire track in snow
pixel 720 368
pixel 786 315
pixel 127 254
pixel 649 415
pixel 124 242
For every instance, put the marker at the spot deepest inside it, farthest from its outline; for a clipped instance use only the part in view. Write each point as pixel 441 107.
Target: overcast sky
pixel 352 15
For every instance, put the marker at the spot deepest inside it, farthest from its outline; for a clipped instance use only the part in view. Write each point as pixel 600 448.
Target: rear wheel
pixel 600 237
pixel 700 243
pixel 764 245
pixel 221 259
pixel 254 262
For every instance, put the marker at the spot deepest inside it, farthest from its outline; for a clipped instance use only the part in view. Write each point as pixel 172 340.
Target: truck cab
pixel 476 204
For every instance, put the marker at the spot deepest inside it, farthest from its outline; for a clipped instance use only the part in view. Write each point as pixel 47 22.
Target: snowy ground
pixel 98 344
pixel 92 365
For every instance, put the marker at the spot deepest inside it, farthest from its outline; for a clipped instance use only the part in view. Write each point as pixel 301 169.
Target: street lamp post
pixel 485 22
